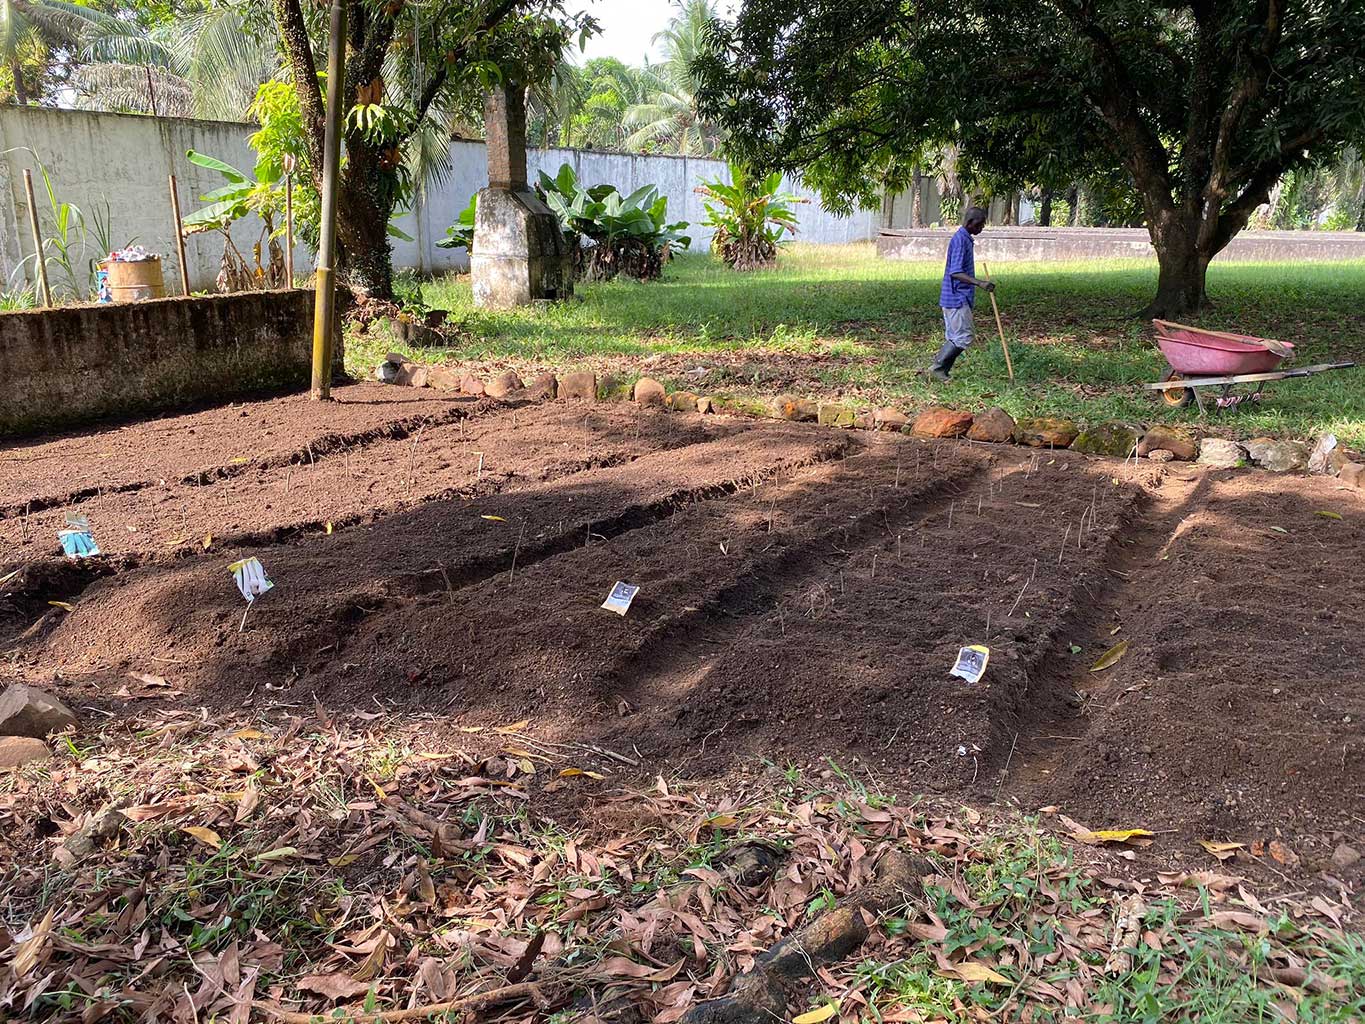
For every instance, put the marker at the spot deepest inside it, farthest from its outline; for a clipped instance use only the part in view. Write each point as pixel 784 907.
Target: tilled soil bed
pixel 804 592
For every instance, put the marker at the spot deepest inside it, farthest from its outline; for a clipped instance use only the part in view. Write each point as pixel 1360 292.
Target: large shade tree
pixel 408 66
pixel 1202 106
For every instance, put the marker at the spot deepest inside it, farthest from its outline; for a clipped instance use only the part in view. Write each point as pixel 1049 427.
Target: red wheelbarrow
pixel 1201 358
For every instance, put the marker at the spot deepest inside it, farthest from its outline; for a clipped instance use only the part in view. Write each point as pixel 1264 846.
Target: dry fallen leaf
pixel 205 835
pixel 495 519
pixel 974 972
pixel 333 986
pixel 1223 851
pixel 818 1015
pixel 1111 835
pixel 1283 853
pixel 65 606
pixel 1110 656
pixel 721 821
pixel 1327 515
pixel 514 727
pixel 281 853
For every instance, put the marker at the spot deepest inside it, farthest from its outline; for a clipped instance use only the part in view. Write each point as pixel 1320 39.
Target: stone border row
pixel 1157 443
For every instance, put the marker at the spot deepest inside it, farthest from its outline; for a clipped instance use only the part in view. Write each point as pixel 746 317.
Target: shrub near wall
pixel 68 366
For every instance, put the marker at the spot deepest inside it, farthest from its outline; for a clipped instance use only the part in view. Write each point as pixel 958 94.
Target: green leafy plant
pixel 461 233
pixel 242 195
pixel 751 217
pixel 613 234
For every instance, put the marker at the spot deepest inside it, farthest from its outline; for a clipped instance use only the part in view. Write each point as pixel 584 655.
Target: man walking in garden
pixel 959 291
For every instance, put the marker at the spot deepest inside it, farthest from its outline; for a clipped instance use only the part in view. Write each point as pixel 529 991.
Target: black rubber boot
pixel 943 362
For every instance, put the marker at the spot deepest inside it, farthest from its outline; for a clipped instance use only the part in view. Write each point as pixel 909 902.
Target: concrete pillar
pixel 520 254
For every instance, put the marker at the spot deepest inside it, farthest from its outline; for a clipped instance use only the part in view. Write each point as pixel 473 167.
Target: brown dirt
pixel 804 593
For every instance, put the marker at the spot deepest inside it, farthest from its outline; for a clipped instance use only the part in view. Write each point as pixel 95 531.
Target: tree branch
pixel 490 21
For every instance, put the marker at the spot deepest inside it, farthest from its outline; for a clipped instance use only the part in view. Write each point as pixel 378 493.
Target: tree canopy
pixel 1202 106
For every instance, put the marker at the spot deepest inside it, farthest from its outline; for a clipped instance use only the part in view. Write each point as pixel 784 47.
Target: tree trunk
pixel 1045 210
pixel 917 201
pixel 1007 217
pixel 366 195
pixel 1073 201
pixel 20 90
pixel 1360 220
pixel 1182 271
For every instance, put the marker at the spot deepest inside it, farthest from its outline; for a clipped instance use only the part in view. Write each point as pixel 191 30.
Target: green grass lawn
pixel 839 321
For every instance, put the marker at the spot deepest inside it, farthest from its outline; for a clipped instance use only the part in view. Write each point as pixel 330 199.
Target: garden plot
pixel 804 592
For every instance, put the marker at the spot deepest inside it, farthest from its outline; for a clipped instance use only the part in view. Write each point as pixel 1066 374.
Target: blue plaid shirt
pixel 961 260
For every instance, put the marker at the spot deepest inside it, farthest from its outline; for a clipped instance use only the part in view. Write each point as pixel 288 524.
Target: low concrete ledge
pixel 1043 244
pixel 67 366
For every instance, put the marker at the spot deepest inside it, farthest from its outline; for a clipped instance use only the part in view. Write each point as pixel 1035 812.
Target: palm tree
pixel 204 64
pixel 668 118
pixel 610 89
pixel 30 30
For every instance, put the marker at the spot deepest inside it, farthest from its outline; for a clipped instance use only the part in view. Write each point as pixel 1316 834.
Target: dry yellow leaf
pixel 208 541
pixel 205 835
pixel 280 853
pixel 329 527
pixel 250 734
pixel 1327 515
pixel 494 519
pixel 1223 851
pixel 1110 656
pixel 344 860
pixel 722 821
pixel 514 727
pixel 818 1015
pixel 65 606
pixel 975 972
pixel 1111 835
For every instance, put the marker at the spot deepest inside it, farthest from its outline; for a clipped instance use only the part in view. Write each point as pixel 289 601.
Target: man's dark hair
pixel 973 214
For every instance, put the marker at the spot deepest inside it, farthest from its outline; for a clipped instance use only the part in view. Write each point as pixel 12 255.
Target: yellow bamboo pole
pixel 999 326
pixel 324 303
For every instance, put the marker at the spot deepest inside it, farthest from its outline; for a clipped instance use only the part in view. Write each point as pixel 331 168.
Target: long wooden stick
pixel 999 326
pixel 37 238
pixel 510 993
pixel 180 239
pixel 289 226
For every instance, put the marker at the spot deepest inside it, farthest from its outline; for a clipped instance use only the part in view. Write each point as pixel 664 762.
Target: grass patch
pixel 839 320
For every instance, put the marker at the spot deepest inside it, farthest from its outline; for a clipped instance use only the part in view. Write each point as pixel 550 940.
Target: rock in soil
pixel 471 385
pixel 993 425
pixel 27 711
pixel 1116 439
pixel 1161 455
pixel 937 421
pixel 798 410
pixel 542 387
pixel 410 375
pixel 682 401
pixel 1219 453
pixel 386 372
pixel 17 751
pixel 890 419
pixel 579 386
pixel 443 378
pixel 503 384
pixel 1045 432
pixel 704 404
pixel 836 414
pixel 1180 443
pixel 1325 455
pixel 1353 475
pixel 649 391
pixel 1278 456
pixel 1345 857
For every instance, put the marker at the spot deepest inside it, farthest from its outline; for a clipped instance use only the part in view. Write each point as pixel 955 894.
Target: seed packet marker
pixel 971 663
pixel 252 581
pixel 619 599
pixel 76 540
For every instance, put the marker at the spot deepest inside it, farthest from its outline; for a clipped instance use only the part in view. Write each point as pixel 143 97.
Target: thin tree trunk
pixel 1073 202
pixel 916 198
pixel 1360 220
pixel 20 90
pixel 1007 210
pixel 1045 210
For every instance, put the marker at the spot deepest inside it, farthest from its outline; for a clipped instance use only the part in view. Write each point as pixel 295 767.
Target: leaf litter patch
pixel 175 868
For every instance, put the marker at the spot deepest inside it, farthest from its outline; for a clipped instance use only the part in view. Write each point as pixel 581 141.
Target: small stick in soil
pixel 412 457
pixel 585 439
pixel 782 620
pixel 988 625
pixel 242 625
pixel 898 469
pixel 288 477
pixel 1005 774
pixel 951 504
pixel 1064 537
pixel 513 574
pixel 587 541
pixel 450 587
pixel 978 504
pixel 874 567
pixel 841 581
pixel 479 472
pixel 1025 587
pixel 898 549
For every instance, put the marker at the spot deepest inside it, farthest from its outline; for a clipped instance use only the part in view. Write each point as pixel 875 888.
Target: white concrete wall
pixel 126 159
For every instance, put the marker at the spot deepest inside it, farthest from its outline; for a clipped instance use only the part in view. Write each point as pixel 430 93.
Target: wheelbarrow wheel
pixel 1176 398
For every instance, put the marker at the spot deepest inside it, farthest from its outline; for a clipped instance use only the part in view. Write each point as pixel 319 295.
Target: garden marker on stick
pixel 971 663
pixel 76 540
pixel 251 581
pixel 1004 345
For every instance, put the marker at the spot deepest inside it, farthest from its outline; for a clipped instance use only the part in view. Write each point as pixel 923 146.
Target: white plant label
pixel 251 578
pixel 971 663
pixel 619 599
pixel 78 543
